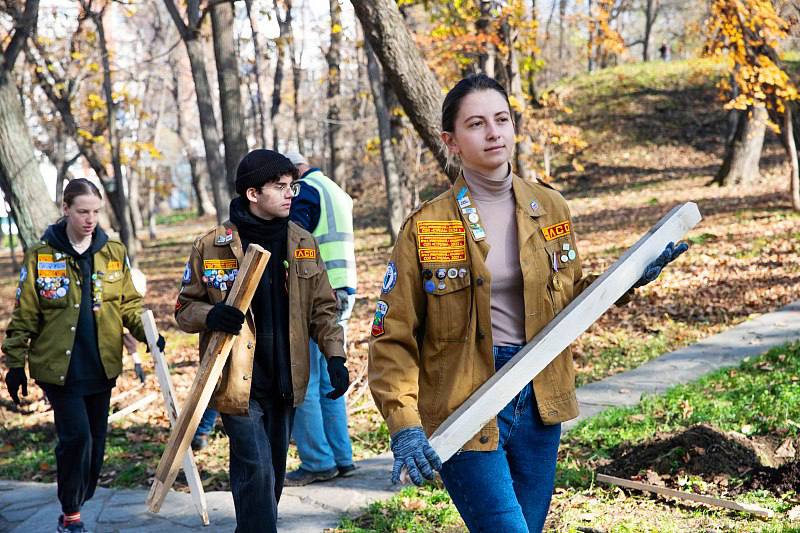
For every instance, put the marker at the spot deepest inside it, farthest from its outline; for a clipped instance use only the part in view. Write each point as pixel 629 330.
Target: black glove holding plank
pixel 224 317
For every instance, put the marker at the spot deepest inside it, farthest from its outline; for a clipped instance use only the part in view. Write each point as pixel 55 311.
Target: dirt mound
pixel 700 450
pixel 778 480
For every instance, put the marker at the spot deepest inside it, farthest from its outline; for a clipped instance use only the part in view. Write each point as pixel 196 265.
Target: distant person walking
pixel 320 423
pixel 75 295
pixel 664 51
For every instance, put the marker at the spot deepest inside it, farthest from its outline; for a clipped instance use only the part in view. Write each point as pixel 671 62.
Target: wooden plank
pixel 208 374
pixel 484 404
pixel 135 406
pixel 121 396
pixel 168 393
pixel 672 493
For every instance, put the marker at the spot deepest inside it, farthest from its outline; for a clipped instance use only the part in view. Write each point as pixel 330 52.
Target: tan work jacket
pixel 312 310
pixel 431 349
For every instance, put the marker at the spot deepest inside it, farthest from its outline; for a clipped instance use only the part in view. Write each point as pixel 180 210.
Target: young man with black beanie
pixel 267 373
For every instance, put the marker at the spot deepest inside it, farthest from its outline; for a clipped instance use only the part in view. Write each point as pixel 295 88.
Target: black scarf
pixel 270 305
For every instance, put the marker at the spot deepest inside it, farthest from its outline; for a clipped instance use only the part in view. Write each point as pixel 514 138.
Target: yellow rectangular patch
pixel 556 230
pixel 439 227
pixel 220 264
pixel 47 268
pixel 305 253
pixel 114 265
pixel 441 241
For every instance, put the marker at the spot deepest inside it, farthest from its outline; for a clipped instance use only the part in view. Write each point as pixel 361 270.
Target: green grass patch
pixel 426 509
pixel 625 353
pixel 759 397
pixel 175 217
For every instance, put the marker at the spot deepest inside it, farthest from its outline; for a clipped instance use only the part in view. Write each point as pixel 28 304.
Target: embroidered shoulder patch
pixel 220 264
pixel 562 229
pixel 114 265
pixel 380 314
pixel 47 268
pixel 305 253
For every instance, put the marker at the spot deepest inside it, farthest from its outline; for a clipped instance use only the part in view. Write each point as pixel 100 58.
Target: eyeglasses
pixel 281 188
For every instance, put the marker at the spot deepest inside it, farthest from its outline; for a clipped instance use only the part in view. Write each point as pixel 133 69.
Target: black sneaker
pixel 346 471
pixel 301 476
pixel 199 441
pixel 77 527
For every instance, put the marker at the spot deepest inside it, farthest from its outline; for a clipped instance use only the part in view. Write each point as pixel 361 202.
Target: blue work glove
pixel 340 377
pixel 651 271
pixel 139 371
pixel 411 449
pixel 161 343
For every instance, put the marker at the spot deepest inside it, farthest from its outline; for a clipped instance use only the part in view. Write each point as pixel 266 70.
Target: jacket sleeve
pixel 131 303
pixel 193 303
pixel 323 326
pixel 396 337
pixel 24 325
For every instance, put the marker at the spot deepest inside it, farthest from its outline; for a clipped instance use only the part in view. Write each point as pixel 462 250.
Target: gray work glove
pixel 411 449
pixel 342 301
pixel 139 371
pixel 651 271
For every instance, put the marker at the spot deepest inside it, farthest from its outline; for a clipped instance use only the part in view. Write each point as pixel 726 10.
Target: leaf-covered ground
pixel 654 142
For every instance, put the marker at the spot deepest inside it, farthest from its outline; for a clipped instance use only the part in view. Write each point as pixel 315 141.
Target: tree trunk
pixel 740 165
pixel 284 34
pixel 20 179
pixel 208 128
pixel 126 233
pixel 208 123
pixel 11 247
pixel 336 170
pixel 259 53
pixel 787 132
pixel 590 41
pixel 417 88
pixel 230 98
pixel 649 19
pixel 394 187
pixel 486 59
pixel 297 79
pixel 524 151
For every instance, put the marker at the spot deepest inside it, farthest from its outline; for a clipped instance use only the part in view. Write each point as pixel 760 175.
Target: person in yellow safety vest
pixel 320 423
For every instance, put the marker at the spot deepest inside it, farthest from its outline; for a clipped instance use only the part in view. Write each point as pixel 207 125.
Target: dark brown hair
pixel 79 187
pixel 470 84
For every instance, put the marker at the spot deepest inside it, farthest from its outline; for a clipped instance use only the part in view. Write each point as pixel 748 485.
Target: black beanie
pixel 259 167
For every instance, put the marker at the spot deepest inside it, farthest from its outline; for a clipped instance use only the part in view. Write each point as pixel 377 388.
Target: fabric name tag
pixel 305 253
pixel 220 264
pixel 555 231
pixel 47 268
pixel 441 241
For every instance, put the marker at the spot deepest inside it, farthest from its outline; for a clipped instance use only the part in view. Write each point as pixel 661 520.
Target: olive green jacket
pixel 312 310
pixel 430 350
pixel 43 329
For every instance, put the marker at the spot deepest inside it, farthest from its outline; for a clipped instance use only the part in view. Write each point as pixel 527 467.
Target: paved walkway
pixel 32 507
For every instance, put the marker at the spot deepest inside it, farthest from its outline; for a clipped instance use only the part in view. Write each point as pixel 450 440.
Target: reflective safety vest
pixel 334 231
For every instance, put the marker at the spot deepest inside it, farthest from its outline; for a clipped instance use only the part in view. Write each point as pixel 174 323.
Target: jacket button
pixel 61 378
pixel 479 281
pixel 245 377
pixel 552 413
pixel 484 439
pixel 76 306
pixel 72 328
pixel 249 345
pixel 68 352
pixel 480 334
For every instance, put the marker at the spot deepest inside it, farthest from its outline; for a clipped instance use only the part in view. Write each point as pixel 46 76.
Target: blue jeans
pixel 320 424
pixel 207 422
pixel 258 445
pixel 508 489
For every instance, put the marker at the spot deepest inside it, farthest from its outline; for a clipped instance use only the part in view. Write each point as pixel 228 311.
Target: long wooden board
pixel 168 393
pixel 574 319
pixel 208 374
pixel 672 493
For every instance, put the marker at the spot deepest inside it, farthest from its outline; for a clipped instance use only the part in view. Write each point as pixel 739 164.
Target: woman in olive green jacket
pixel 75 294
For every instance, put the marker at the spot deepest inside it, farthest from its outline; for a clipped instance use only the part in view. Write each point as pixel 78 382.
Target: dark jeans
pixel 259 442
pixel 508 489
pixel 81 423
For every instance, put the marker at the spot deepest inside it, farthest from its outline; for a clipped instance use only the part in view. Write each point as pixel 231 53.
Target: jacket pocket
pixel 563 259
pixel 450 308
pixel 112 286
pixel 306 269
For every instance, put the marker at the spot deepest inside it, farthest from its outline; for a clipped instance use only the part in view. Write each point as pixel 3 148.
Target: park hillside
pixel 654 136
pixel 627 107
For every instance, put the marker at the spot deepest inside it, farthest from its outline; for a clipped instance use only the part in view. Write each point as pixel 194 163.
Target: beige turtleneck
pixel 497 210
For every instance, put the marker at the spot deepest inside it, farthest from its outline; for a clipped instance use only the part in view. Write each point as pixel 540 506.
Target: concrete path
pixel 32 507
